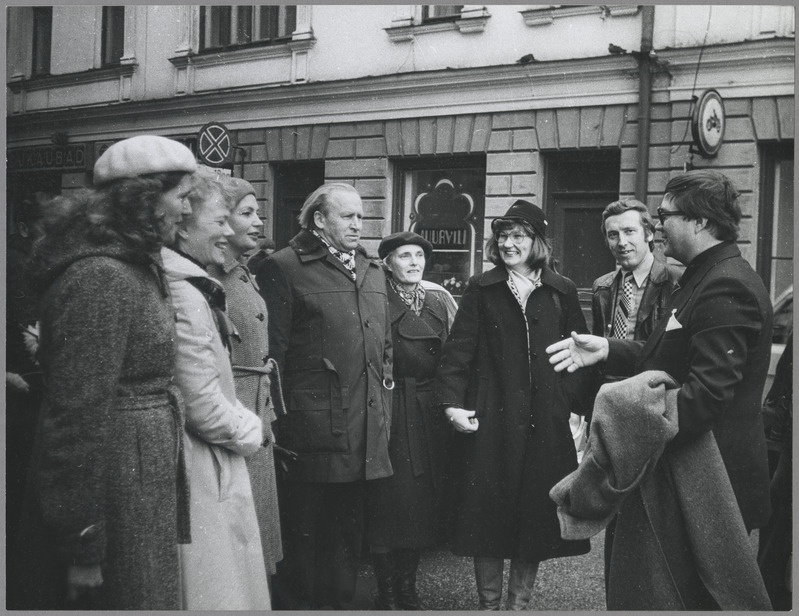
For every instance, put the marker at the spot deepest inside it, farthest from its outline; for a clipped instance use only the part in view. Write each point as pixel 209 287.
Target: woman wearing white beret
pixel 108 499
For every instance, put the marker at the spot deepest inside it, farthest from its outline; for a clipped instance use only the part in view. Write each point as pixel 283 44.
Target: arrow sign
pixel 213 144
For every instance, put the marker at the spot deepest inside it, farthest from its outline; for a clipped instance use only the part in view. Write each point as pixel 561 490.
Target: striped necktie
pixel 625 305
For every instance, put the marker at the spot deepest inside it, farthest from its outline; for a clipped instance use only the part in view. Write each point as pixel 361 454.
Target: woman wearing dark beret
pixel 108 502
pixel 404 510
pixel 510 411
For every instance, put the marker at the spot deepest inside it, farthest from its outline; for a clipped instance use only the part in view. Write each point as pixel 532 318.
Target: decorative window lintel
pixel 472 19
pixel 546 14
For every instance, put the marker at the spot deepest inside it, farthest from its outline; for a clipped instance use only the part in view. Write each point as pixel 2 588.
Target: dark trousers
pixel 322 527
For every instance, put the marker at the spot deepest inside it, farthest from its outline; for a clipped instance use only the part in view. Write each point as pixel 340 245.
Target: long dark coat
pixel 523 445
pixel 405 509
pixel 716 343
pixel 104 483
pixel 331 338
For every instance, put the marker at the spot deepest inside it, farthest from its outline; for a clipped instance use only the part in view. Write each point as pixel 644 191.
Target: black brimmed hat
pixel 528 212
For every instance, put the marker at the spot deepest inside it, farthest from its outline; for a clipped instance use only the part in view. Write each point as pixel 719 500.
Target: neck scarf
pixel 347 258
pixel 523 286
pixel 413 299
pixel 214 294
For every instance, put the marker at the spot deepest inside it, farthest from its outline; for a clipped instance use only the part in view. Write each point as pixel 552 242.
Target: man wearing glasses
pixel 715 341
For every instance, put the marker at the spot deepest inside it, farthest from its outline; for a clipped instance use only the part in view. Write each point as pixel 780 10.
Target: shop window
pixel 233 26
pixel 293 182
pixel 443 200
pixel 578 186
pixel 775 241
pixel 42 37
pixel 440 12
pixel 113 39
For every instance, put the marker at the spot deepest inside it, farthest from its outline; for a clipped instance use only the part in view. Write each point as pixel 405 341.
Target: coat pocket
pixel 316 421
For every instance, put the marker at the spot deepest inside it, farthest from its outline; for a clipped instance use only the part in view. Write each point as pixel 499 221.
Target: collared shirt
pixel 640 280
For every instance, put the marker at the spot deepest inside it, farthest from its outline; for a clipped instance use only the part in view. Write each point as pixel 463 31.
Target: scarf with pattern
pixel 413 299
pixel 347 258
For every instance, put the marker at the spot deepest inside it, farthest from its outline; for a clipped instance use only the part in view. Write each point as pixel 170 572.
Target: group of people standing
pixel 213 437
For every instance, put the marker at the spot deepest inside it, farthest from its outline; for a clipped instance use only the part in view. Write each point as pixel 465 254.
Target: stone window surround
pixel 407 22
pixel 188 58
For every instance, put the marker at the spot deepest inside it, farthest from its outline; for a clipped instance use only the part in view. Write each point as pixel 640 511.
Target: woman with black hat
pixel 510 412
pixel 404 509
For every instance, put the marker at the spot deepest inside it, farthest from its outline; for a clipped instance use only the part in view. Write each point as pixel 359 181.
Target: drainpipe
pixel 644 101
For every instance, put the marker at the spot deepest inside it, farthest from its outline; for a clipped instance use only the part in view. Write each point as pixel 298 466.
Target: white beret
pixel 131 158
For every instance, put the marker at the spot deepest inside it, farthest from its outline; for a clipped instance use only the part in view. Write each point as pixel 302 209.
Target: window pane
pixel 290 21
pixel 269 22
pixel 42 33
pixel 252 23
pixel 244 24
pixel 113 34
pixel 220 26
pixel 438 11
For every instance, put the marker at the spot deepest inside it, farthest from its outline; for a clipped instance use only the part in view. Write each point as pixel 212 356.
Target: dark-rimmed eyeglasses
pixel 664 214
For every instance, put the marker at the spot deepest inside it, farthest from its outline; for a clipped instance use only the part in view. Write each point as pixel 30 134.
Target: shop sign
pixel 48 157
pixel 446 238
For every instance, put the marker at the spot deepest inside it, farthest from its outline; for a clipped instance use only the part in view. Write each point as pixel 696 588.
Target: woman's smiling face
pixel 515 247
pixel 246 225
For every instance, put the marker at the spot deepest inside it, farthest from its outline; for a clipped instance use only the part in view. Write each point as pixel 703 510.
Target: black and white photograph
pixel 376 307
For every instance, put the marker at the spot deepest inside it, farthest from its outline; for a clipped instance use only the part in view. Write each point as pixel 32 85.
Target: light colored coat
pixel 247 309
pixel 223 567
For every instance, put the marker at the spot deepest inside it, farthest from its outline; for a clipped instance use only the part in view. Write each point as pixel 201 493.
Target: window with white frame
pixel 440 12
pixel 42 36
pixel 232 26
pixel 113 38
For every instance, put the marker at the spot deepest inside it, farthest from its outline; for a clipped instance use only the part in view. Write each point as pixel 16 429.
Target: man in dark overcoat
pixel 330 333
pixel 715 341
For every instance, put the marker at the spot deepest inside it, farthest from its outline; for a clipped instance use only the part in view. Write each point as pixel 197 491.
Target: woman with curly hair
pixel 108 504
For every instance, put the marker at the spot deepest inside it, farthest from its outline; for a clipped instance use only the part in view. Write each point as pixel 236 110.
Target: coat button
pixel 532 426
pixel 369 363
pixel 535 390
pixel 244 278
pixel 534 355
pixel 535 319
pixel 260 316
pixel 371 401
pixel 367 323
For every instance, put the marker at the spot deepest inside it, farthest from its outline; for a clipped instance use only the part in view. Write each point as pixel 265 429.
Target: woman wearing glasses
pixel 511 412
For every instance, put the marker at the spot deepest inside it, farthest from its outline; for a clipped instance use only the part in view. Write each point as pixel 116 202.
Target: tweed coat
pixel 656 296
pixel 104 486
pixel 223 567
pixel 247 309
pixel 405 510
pixel 331 338
pixel 680 542
pixel 494 362
pixel 716 343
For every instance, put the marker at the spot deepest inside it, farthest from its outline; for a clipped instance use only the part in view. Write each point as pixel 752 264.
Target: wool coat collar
pixel 310 248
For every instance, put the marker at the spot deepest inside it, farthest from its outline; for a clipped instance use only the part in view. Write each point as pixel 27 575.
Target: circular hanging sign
pixel 213 144
pixel 708 123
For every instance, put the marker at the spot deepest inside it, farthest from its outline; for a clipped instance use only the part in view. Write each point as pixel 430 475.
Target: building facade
pixel 440 115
